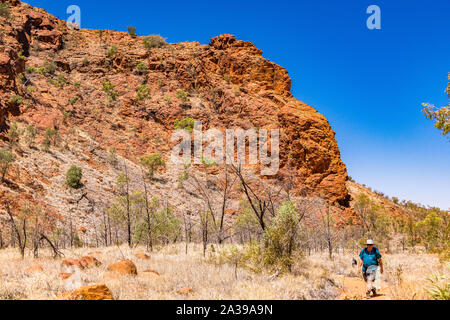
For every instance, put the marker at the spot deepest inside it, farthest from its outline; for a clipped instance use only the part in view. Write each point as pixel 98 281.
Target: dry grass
pixel 177 270
pixel 315 278
pixel 405 274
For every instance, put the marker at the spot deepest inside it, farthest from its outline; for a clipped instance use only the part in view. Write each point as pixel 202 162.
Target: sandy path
pixel 355 289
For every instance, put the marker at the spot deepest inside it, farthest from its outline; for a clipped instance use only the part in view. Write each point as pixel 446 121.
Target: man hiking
pixel 369 264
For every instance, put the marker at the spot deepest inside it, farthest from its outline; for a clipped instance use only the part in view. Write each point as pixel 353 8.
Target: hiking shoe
pixel 374 291
pixel 368 293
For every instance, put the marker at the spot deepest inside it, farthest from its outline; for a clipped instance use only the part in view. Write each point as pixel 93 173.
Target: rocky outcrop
pixel 59 72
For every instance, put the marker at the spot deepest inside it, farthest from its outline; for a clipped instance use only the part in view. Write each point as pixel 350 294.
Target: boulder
pixel 34 268
pixel 142 256
pixel 124 267
pixel 65 276
pixel 95 292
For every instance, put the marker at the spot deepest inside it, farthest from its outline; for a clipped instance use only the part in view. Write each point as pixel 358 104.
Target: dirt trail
pixel 355 289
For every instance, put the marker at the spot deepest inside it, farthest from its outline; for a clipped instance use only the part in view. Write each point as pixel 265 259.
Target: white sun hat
pixel 369 241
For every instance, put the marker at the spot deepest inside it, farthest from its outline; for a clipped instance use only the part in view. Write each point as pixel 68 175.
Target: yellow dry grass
pixel 315 278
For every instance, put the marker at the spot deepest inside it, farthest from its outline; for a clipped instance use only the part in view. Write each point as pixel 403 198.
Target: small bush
pixel 5 11
pixel 185 124
pixel 15 99
pixel 183 95
pixel 132 31
pixel 154 41
pixel 50 67
pixel 108 88
pixel 439 288
pixel 74 100
pixel 152 162
pixel 143 93
pixel 112 51
pixel 74 176
pixel 6 159
pixel 141 68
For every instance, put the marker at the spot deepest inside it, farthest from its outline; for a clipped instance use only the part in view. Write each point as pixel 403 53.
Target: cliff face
pixel 230 85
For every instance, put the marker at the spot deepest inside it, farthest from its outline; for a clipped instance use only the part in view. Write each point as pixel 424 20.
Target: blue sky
pixel 369 83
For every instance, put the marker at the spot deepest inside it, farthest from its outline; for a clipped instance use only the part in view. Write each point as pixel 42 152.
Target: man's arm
pixel 380 263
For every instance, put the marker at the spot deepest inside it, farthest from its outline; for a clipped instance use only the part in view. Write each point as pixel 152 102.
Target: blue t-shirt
pixel 369 258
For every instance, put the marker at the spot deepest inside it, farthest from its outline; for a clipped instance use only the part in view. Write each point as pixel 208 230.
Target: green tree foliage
pixel 143 93
pixel 108 88
pixel 441 116
pixel 74 176
pixel 5 10
pixel 6 160
pixel 141 68
pixel 430 230
pixel 112 51
pixel 14 134
pixel 185 124
pixel 154 41
pixel 280 238
pixel 132 31
pixel 15 99
pixel 152 162
pixel 51 135
pixel 183 95
pixel 30 135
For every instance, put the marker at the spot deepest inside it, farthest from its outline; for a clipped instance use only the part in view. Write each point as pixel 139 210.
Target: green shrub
pixel 185 124
pixel 183 95
pixel 15 99
pixel 30 135
pixel 108 88
pixel 6 159
pixel 74 100
pixel 143 92
pixel 280 241
pixel 50 135
pixel 50 67
pixel 14 133
pixel 74 176
pixel 152 162
pixel 439 288
pixel 132 31
pixel 112 51
pixel 141 68
pixel 154 41
pixel 5 10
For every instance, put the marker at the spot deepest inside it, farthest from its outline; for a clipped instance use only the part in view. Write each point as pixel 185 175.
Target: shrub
pixel 132 31
pixel 49 67
pixel 73 177
pixel 154 41
pixel 183 95
pixel 6 159
pixel 50 134
pixel 14 133
pixel 280 238
pixel 74 100
pixel 185 124
pixel 108 88
pixel 15 99
pixel 439 288
pixel 141 68
pixel 30 135
pixel 112 51
pixel 152 162
pixel 143 92
pixel 5 10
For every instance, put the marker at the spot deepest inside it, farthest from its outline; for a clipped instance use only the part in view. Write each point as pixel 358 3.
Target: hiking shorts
pixel 370 274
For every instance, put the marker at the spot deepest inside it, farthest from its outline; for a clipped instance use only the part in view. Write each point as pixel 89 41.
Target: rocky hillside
pixel 53 77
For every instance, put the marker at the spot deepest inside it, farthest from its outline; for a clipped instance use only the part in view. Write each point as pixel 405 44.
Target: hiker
pixel 369 264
